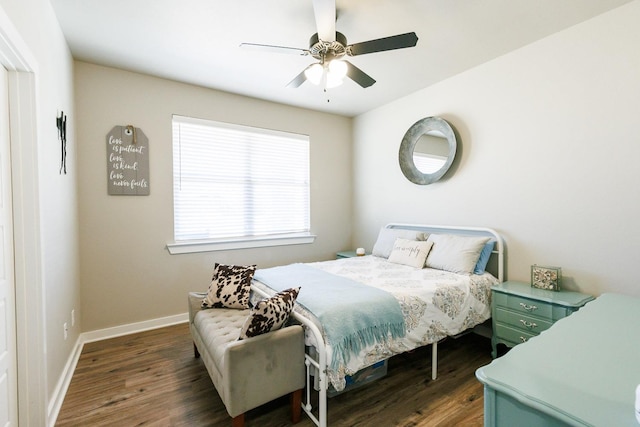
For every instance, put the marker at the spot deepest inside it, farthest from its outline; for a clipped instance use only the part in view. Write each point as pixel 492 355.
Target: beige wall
pixel 127 274
pixel 531 165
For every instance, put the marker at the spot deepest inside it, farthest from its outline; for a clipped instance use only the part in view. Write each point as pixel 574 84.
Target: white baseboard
pixel 57 397
pixel 132 328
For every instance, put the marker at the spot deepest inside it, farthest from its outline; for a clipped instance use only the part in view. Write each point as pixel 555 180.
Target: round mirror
pixel 427 150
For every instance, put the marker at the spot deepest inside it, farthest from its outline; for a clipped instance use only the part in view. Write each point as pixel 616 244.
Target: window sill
pixel 193 246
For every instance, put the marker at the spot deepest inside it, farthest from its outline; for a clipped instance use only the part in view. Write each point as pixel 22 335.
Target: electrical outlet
pixel 73 317
pixel 66 330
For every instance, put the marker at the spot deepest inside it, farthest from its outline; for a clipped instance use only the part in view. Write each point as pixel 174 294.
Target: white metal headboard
pixel 496 262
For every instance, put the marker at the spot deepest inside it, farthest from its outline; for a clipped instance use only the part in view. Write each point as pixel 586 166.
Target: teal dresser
pixel 520 311
pixel 581 372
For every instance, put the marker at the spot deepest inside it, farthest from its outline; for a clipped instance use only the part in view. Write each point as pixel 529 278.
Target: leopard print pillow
pixel 230 287
pixel 269 314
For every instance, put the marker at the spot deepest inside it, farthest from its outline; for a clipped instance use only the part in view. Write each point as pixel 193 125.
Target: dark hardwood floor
pixel 152 379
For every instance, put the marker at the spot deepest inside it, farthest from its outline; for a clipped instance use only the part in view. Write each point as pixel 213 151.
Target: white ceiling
pixel 197 41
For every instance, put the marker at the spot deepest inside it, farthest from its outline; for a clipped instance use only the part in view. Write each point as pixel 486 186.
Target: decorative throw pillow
pixel 387 238
pixel 230 286
pixel 458 254
pixel 485 254
pixel 269 314
pixel 410 252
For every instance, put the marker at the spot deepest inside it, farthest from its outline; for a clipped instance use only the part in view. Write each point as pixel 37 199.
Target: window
pixel 236 186
pixel 428 163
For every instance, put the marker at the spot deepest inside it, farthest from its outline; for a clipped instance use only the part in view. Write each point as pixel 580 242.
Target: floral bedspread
pixel 435 304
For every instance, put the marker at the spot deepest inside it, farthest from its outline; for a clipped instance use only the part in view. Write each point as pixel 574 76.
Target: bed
pixel 443 299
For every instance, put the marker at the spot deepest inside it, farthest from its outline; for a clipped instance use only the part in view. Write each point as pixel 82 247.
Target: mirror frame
pixel 408 144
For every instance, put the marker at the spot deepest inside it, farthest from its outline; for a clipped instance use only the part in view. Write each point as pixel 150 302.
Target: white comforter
pixel 435 304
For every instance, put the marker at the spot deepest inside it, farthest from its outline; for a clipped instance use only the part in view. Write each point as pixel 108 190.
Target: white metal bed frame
pixel 320 363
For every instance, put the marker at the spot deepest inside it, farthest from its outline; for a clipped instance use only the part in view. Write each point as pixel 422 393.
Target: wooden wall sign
pixel 127 161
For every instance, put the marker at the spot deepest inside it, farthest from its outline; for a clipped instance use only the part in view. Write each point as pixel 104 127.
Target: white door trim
pixel 31 347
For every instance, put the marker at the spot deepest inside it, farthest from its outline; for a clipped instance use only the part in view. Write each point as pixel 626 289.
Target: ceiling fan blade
pixel 275 49
pixel 325 13
pixel 298 80
pixel 359 76
pixel 387 43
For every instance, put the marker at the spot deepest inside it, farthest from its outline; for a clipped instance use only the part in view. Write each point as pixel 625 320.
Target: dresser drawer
pixel 522 321
pixel 515 336
pixel 520 311
pixel 523 305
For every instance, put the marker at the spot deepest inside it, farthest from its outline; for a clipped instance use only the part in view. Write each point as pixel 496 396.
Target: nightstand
pixel 347 254
pixel 520 311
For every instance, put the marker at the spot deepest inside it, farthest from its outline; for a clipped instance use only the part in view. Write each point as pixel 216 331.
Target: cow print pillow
pixel 269 314
pixel 230 287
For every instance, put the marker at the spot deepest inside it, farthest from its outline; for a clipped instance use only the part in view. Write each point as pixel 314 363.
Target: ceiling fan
pixel 330 47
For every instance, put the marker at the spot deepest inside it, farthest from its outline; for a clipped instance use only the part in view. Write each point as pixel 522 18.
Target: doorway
pixel 21 166
pixel 8 350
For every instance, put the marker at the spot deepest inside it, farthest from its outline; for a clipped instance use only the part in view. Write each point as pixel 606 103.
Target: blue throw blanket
pixel 352 315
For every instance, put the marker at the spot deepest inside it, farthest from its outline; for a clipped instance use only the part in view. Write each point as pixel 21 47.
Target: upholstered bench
pixel 250 372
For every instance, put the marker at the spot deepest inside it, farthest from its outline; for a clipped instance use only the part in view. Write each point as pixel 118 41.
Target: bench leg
pixel 296 406
pixel 238 421
pixel 196 353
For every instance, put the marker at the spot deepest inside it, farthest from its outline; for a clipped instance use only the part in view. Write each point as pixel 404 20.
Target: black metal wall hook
pixel 61 124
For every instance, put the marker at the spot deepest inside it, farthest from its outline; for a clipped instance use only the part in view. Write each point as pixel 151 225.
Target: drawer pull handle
pixel 528 307
pixel 523 339
pixel 529 325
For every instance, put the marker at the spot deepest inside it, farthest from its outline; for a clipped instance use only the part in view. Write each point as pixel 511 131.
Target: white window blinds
pixel 428 163
pixel 237 182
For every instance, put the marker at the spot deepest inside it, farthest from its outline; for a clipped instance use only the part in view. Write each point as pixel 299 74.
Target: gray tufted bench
pixel 251 372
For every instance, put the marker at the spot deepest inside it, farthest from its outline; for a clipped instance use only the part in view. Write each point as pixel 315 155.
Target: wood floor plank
pixel 152 379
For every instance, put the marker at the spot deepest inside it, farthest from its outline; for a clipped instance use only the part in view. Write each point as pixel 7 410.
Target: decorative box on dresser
pixel 520 311
pixel 347 254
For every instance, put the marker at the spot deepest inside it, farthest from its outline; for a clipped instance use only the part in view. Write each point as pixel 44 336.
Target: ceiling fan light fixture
pixel 314 73
pixel 329 46
pixel 333 80
pixel 338 69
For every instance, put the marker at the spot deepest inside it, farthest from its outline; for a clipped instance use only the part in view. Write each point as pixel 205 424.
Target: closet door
pixel 8 367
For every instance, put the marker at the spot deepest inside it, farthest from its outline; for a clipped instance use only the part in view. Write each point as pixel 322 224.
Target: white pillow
pixel 458 254
pixel 410 252
pixel 387 237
